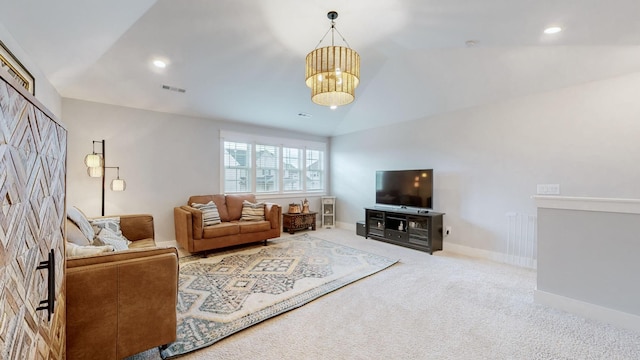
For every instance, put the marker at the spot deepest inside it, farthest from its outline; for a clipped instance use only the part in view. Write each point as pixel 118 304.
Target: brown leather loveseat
pixel 193 236
pixel 124 302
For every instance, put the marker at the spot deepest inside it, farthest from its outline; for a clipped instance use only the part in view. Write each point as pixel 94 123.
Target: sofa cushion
pixel 254 226
pixel 222 229
pixel 252 212
pixel 144 243
pixel 210 215
pixel 234 204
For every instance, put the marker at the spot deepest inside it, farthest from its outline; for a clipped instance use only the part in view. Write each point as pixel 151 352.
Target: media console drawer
pixel 395 235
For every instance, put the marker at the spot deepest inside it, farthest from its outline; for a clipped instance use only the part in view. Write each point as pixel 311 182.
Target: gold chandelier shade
pixel 333 73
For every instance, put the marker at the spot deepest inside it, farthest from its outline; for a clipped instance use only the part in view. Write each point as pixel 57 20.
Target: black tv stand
pixel 421 231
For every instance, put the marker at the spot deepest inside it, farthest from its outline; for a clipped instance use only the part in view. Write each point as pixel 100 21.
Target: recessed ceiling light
pixel 333 107
pixel 552 30
pixel 159 64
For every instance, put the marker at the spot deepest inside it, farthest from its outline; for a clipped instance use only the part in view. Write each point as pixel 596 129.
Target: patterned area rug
pixel 222 294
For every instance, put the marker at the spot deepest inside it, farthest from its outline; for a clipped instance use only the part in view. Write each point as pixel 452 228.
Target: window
pixel 252 164
pixel 292 166
pixel 237 167
pixel 267 168
pixel 315 170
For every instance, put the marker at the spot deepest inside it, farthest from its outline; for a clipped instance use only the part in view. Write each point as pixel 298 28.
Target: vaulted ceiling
pixel 242 60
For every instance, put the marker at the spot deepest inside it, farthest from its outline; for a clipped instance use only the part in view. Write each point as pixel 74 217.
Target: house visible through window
pixel 258 166
pixel 292 166
pixel 267 168
pixel 237 167
pixel 315 170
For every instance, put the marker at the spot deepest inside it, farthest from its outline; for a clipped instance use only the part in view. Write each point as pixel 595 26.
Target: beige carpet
pixel 443 306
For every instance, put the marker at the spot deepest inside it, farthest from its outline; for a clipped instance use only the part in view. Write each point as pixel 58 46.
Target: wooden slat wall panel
pixel 32 195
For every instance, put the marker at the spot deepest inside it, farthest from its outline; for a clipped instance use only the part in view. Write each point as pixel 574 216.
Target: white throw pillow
pixel 210 214
pixel 108 237
pixel 78 217
pixel 111 223
pixel 109 233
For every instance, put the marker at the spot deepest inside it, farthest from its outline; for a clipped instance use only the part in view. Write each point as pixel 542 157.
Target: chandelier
pixel 333 72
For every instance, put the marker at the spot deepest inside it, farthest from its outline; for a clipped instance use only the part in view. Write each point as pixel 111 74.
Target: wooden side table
pixel 295 222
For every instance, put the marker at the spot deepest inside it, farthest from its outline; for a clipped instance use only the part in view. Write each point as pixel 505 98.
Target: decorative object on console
pixel 96 168
pixel 294 208
pixel 333 72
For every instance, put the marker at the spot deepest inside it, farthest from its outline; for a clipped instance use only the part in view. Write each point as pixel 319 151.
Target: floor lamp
pixel 96 168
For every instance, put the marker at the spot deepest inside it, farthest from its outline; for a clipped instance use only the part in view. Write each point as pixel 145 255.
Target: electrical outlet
pixel 548 189
pixel 447 231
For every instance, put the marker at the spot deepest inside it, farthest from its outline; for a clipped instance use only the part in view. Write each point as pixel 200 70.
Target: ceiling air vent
pixel 173 88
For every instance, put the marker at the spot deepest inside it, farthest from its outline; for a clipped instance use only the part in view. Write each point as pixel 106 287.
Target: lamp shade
pixel 93 160
pixel 118 185
pixel 95 171
pixel 333 73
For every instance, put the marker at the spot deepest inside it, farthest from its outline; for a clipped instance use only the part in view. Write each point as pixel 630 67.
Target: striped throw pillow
pixel 252 212
pixel 210 214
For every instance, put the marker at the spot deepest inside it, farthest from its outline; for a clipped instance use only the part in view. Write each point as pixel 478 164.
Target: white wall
pixel 163 158
pixel 487 160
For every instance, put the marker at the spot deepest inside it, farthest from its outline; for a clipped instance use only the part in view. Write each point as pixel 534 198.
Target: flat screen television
pixel 405 188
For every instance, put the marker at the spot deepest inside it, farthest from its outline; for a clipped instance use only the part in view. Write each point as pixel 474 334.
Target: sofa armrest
pixel 119 304
pixel 273 213
pixel 188 222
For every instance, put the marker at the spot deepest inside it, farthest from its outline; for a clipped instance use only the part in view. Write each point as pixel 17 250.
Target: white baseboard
pixel 490 255
pixel 346 226
pixel 588 310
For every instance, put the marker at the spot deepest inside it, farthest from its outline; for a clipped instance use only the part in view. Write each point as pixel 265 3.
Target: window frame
pixel 256 140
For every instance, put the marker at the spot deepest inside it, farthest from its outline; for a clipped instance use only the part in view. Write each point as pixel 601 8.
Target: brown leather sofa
pixel 121 303
pixel 194 237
